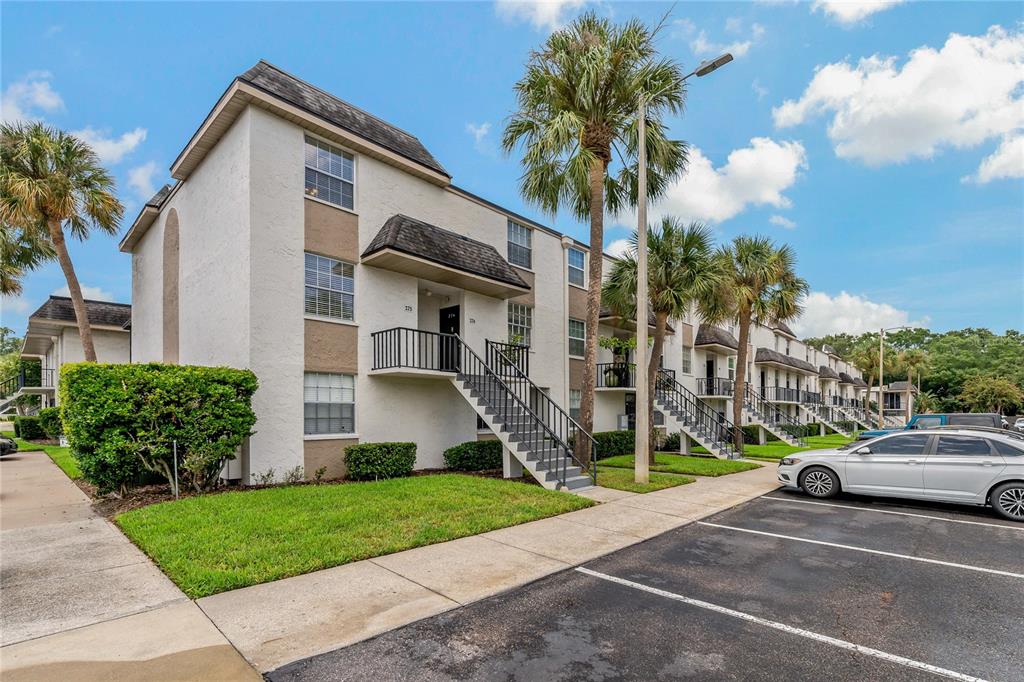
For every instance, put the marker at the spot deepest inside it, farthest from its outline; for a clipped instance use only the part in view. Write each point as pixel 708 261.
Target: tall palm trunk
pixel 660 325
pixel 74 288
pixel 597 172
pixel 867 393
pixel 739 386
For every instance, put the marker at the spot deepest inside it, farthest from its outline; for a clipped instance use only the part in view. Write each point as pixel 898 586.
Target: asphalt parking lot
pixel 780 588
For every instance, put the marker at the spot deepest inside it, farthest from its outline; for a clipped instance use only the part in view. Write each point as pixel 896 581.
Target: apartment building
pixel 330 252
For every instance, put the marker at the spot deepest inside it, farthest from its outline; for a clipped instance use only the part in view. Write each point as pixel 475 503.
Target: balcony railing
pixel 810 397
pixel 780 394
pixel 28 378
pixel 407 348
pixel 838 401
pixel 619 375
pixel 716 386
pixel 506 358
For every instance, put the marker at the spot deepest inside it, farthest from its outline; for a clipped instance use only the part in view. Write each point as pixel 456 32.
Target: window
pixel 576 262
pixel 330 173
pixel 910 444
pixel 975 420
pixel 927 422
pixel 520 323
pixel 330 403
pixel 577 337
pixel 732 368
pixel 519 245
pixel 1007 450
pixel 330 288
pixel 687 360
pixel 575 398
pixel 787 346
pixel 961 446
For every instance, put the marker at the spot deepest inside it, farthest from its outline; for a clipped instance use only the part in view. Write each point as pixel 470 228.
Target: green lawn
pixel 682 464
pixel 777 449
pixel 60 456
pixel 212 543
pixel 622 479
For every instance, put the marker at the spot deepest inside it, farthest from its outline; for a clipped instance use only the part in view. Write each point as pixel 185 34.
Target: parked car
pixel 926 421
pixel 7 446
pixel 968 465
pixel 1019 424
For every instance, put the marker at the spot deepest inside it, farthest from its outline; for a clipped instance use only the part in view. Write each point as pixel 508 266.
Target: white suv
pixel 948 464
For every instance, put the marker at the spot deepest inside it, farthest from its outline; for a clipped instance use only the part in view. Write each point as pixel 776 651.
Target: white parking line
pixel 865 549
pixel 842 644
pixel 898 513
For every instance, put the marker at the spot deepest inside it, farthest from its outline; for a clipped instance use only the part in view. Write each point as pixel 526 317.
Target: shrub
pixel 122 420
pixel 49 420
pixel 475 455
pixel 28 428
pixel 372 461
pixel 613 443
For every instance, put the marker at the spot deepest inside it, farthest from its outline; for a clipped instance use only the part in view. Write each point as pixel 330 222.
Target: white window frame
pixel 572 268
pixel 581 339
pixel 515 234
pixel 520 319
pixel 687 365
pixel 575 403
pixel 323 382
pixel 329 288
pixel 334 149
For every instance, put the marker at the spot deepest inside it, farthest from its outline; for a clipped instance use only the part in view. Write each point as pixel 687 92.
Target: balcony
pixel 406 352
pixel 838 401
pixel 618 376
pixel 29 381
pixel 715 387
pixel 810 398
pixel 780 394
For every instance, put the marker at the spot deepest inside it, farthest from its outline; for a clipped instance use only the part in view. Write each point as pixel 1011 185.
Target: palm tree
pixel 51 181
pixel 576 117
pixel 913 361
pixel 19 253
pixel 760 284
pixel 682 272
pixel 865 358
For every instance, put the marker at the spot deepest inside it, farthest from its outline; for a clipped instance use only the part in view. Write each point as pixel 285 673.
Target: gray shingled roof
pixel 859 383
pixel 826 372
pixel 161 196
pixel 829 349
pixel 845 378
pixel 420 239
pixel 900 386
pixel 708 335
pixel 784 328
pixel 100 312
pixel 278 83
pixel 769 355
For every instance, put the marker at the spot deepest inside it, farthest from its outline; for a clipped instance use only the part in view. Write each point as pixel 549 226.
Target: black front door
pixel 631 411
pixel 448 323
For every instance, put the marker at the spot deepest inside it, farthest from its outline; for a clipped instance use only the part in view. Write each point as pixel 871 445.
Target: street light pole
pixel 641 457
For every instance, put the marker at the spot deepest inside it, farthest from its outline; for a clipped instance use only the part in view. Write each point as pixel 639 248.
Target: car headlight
pixel 789 461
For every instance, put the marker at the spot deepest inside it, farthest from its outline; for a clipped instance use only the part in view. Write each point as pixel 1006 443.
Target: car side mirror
pixel 862 451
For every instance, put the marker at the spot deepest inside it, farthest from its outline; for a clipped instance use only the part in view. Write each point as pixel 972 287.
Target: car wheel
pixel 1008 501
pixel 819 482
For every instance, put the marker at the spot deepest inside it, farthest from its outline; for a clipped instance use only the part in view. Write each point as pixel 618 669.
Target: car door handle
pixel 986 463
pixel 912 462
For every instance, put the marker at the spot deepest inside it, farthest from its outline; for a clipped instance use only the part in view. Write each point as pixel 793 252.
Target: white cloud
pixel 758 89
pixel 961 95
pixel 1005 162
pixel 619 248
pixel 782 221
pixel 702 46
pixel 140 179
pixel 851 12
pixel 28 98
pixel 91 293
pixel 824 314
pixel 752 176
pixel 541 14
pixel 479 132
pixel 111 149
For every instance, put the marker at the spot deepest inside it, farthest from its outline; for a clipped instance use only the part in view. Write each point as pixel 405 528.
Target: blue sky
pixel 883 142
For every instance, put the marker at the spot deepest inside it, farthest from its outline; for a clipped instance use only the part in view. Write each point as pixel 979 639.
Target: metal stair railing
pixel 828 414
pixel 772 415
pixel 719 429
pixel 555 425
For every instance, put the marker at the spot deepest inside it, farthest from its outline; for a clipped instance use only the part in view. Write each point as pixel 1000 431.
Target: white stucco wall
pixel 147 294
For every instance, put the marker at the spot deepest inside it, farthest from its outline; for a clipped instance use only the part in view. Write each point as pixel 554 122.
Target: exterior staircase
pixel 857 415
pixel 766 415
pixel 538 433
pixel 694 417
pixel 828 416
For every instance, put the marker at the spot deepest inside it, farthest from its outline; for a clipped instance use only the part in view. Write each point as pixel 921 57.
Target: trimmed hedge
pixel 49 420
pixel 373 461
pixel 474 455
pixel 614 443
pixel 28 428
pixel 122 420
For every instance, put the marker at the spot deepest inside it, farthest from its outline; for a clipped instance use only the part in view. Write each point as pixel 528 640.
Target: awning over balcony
pixel 716 339
pixel 612 319
pixel 826 372
pixel 416 248
pixel 58 313
pixel 860 383
pixel 773 357
pixel 845 378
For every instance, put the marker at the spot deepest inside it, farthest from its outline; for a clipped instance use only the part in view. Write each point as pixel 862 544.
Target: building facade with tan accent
pixel 330 252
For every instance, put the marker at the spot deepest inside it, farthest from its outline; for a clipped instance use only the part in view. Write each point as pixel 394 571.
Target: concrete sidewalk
pixel 283 621
pixel 79 601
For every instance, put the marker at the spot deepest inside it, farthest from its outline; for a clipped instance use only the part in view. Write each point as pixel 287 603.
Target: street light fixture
pixel 642 455
pixel 881 370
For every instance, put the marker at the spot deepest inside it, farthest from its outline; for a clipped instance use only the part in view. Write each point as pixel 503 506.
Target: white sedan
pixel 946 464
